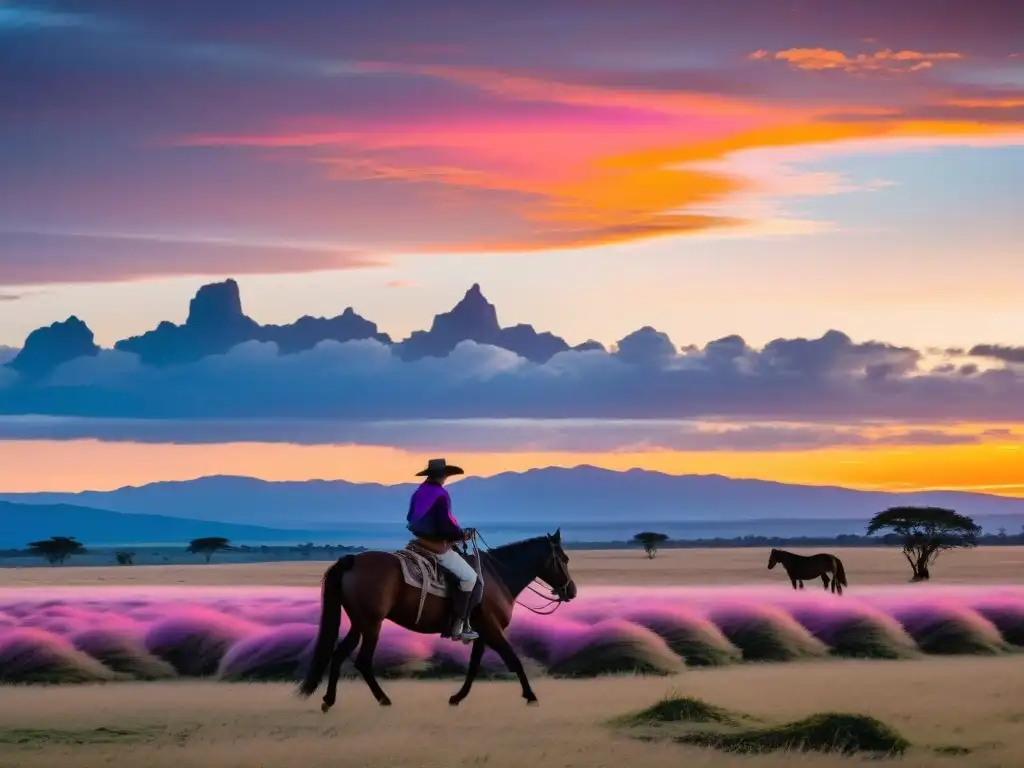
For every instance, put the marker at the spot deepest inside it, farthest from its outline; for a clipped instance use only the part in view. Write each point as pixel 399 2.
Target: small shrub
pixel 826 732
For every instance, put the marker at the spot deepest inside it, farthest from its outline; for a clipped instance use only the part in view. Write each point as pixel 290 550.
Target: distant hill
pixel 22 523
pixel 548 497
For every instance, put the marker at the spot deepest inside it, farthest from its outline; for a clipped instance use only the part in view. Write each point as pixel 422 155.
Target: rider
pixel 430 520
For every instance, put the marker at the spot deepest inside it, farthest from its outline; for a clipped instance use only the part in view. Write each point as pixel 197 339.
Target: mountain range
pixel 22 523
pixel 583 500
pixel 216 322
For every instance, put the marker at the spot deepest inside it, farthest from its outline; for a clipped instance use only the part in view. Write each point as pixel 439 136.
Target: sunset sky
pixel 711 169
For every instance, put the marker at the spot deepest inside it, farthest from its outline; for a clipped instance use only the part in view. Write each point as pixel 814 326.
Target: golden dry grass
pixel 937 703
pixel 972 703
pixel 864 566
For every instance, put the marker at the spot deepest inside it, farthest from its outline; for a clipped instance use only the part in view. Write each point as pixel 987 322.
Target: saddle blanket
pixel 421 571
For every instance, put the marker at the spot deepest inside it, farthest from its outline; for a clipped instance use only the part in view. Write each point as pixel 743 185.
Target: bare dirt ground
pixel 693 567
pixel 943 706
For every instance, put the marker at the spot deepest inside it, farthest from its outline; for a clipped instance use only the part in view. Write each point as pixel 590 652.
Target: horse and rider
pixel 371 588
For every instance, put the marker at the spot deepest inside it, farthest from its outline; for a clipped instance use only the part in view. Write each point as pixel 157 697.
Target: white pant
pixel 465 572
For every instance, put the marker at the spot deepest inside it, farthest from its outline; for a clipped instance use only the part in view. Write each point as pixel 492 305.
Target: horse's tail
pixel 330 624
pixel 840 572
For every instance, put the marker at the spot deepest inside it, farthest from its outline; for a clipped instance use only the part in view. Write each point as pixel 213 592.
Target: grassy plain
pixel 956 711
pixel 672 567
pixel 943 706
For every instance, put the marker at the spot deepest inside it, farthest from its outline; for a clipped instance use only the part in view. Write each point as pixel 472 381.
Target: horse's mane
pixel 514 546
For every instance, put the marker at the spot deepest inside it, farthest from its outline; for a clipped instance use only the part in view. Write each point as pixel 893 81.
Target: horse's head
pixel 773 559
pixel 555 571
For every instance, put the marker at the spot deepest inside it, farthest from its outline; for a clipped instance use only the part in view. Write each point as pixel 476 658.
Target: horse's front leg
pixel 471 672
pixel 504 649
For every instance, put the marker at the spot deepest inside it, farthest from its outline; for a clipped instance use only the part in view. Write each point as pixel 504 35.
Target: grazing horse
pixel 800 567
pixel 371 588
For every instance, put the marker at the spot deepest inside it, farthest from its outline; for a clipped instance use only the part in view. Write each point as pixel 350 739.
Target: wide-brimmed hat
pixel 440 468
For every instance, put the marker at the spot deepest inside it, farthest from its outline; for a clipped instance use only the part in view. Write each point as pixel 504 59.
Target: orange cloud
pixel 992 102
pixel 617 164
pixel 885 60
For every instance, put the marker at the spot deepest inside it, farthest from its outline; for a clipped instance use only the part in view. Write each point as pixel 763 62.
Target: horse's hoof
pixel 325 707
pixel 532 703
pixel 454 701
pixel 385 702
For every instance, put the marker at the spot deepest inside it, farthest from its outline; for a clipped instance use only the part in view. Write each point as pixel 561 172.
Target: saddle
pixel 421 570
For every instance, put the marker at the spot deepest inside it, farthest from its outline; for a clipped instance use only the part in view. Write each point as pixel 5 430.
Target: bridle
pixel 552 603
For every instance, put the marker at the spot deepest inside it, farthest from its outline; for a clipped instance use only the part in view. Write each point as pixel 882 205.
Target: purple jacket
pixel 430 514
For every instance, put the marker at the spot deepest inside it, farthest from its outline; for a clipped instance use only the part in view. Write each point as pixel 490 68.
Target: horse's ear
pixel 557 535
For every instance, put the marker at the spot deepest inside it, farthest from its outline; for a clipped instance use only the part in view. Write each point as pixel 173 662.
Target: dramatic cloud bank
pixel 332 392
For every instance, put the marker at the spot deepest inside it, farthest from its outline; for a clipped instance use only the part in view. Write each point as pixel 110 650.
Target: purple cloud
pixel 28 258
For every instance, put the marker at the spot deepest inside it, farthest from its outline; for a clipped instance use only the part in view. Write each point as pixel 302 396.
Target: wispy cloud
pixel 885 60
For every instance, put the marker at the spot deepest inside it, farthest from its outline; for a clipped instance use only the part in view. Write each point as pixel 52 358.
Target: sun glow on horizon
pixel 94 465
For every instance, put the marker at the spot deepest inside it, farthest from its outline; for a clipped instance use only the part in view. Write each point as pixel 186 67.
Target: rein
pixel 553 603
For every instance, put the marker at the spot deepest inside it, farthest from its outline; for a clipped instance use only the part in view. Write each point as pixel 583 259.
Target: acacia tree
pixel 208 546
pixel 924 533
pixel 56 549
pixel 650 542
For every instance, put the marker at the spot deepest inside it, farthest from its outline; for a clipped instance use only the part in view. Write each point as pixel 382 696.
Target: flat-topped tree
pixel 650 542
pixel 208 546
pixel 925 532
pixel 57 549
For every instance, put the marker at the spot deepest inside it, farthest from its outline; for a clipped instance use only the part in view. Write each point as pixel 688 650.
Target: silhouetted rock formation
pixel 306 332
pixel 216 323
pixel 475 319
pixel 49 346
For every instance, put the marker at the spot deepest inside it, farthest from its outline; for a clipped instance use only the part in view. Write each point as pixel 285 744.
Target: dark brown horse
pixel 371 588
pixel 800 567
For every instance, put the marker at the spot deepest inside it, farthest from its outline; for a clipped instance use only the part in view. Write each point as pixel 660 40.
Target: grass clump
pixel 862 638
pixel 615 647
pixel 955 634
pixel 826 732
pixel 698 641
pixel 681 709
pixel 769 637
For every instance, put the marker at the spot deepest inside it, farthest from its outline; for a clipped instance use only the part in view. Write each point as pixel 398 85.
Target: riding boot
pixel 461 608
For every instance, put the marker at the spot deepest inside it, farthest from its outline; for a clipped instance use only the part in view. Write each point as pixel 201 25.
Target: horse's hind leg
pixel 471 672
pixel 341 652
pixel 801 583
pixel 824 580
pixel 504 649
pixel 364 662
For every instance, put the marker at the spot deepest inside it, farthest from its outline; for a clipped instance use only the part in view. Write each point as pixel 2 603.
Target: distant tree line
pixel 842 540
pixel 57 550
